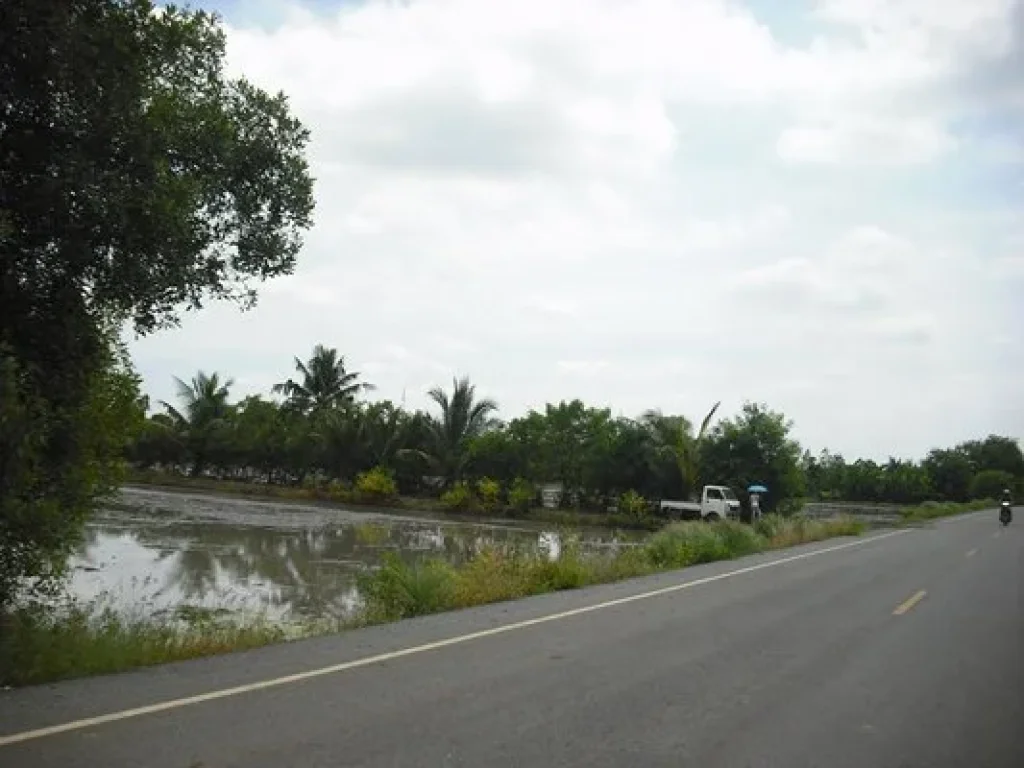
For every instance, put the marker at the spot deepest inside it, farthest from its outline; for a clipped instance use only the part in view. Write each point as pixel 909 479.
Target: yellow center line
pixel 972 552
pixel 909 603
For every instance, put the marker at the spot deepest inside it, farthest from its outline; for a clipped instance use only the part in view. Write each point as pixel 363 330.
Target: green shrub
pixel 738 539
pixel 336 490
pixel 399 590
pixel 521 495
pixel 769 526
pixel 683 544
pixel 633 505
pixel 568 571
pixel 459 498
pixel 490 493
pixel 376 485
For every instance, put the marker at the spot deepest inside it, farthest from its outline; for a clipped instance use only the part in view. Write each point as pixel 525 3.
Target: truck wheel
pixel 712 518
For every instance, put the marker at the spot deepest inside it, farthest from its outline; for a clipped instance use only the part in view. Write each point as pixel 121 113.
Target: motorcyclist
pixel 1007 499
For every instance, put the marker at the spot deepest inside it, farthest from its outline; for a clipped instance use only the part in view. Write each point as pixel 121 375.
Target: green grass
pixel 930 510
pixel 39 645
pixel 399 590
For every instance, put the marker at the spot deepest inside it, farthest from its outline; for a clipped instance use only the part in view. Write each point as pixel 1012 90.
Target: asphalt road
pixel 893 651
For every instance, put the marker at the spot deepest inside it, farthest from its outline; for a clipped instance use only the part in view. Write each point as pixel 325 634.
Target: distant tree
pixel 384 430
pixel 825 474
pixel 863 481
pixel 950 473
pixel 259 436
pixel 675 434
pixel 497 454
pixel 904 482
pixel 325 383
pixel 755 447
pixel 996 453
pixel 461 418
pixel 158 443
pixel 203 416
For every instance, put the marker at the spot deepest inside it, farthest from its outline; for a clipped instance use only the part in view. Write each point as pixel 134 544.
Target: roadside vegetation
pixel 44 645
pixel 931 510
pixel 399 590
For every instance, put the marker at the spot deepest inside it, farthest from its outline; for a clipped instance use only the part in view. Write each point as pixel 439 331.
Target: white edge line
pixel 163 706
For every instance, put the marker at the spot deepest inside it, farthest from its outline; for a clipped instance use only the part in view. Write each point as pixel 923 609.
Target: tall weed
pixel 400 590
pixel 40 644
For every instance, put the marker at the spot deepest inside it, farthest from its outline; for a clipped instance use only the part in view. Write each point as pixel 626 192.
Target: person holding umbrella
pixel 755 492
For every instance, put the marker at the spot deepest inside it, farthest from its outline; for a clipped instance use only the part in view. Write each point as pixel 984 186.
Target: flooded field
pixel 153 551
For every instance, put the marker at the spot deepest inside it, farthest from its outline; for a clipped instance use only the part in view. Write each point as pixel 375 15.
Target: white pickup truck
pixel 717 502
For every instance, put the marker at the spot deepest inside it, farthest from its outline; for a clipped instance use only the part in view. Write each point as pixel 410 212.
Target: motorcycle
pixel 1005 513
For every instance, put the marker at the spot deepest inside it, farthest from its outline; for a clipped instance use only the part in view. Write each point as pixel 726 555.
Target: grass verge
pixel 38 645
pixel 399 590
pixel 930 510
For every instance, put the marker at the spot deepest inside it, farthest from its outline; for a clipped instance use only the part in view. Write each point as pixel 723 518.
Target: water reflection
pixel 153 552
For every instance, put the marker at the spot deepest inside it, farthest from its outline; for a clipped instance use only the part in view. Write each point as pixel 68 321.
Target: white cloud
pixel 651 204
pixel 864 140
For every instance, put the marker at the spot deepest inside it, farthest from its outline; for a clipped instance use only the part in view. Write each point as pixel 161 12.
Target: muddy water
pixel 153 552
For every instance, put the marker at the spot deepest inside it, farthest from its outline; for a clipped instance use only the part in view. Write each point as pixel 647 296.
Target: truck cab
pixel 717 502
pixel 720 501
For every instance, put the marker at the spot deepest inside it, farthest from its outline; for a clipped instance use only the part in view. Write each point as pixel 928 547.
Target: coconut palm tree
pixel 675 436
pixel 204 410
pixel 325 383
pixel 462 417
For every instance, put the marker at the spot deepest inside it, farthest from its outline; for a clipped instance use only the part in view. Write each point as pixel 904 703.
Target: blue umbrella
pixel 757 489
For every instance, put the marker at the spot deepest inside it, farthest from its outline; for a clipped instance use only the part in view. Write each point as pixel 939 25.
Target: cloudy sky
pixel 815 204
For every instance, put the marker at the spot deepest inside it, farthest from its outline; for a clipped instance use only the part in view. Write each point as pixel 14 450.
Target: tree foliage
pixel 755 447
pixel 461 449
pixel 325 383
pixel 137 180
pixel 55 459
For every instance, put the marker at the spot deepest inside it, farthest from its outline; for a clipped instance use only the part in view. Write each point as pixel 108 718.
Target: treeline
pixel 320 432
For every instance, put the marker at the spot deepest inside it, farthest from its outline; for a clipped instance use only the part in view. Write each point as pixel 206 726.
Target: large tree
pixel 136 179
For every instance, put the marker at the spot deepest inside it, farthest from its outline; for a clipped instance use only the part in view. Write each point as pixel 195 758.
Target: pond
pixel 152 552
